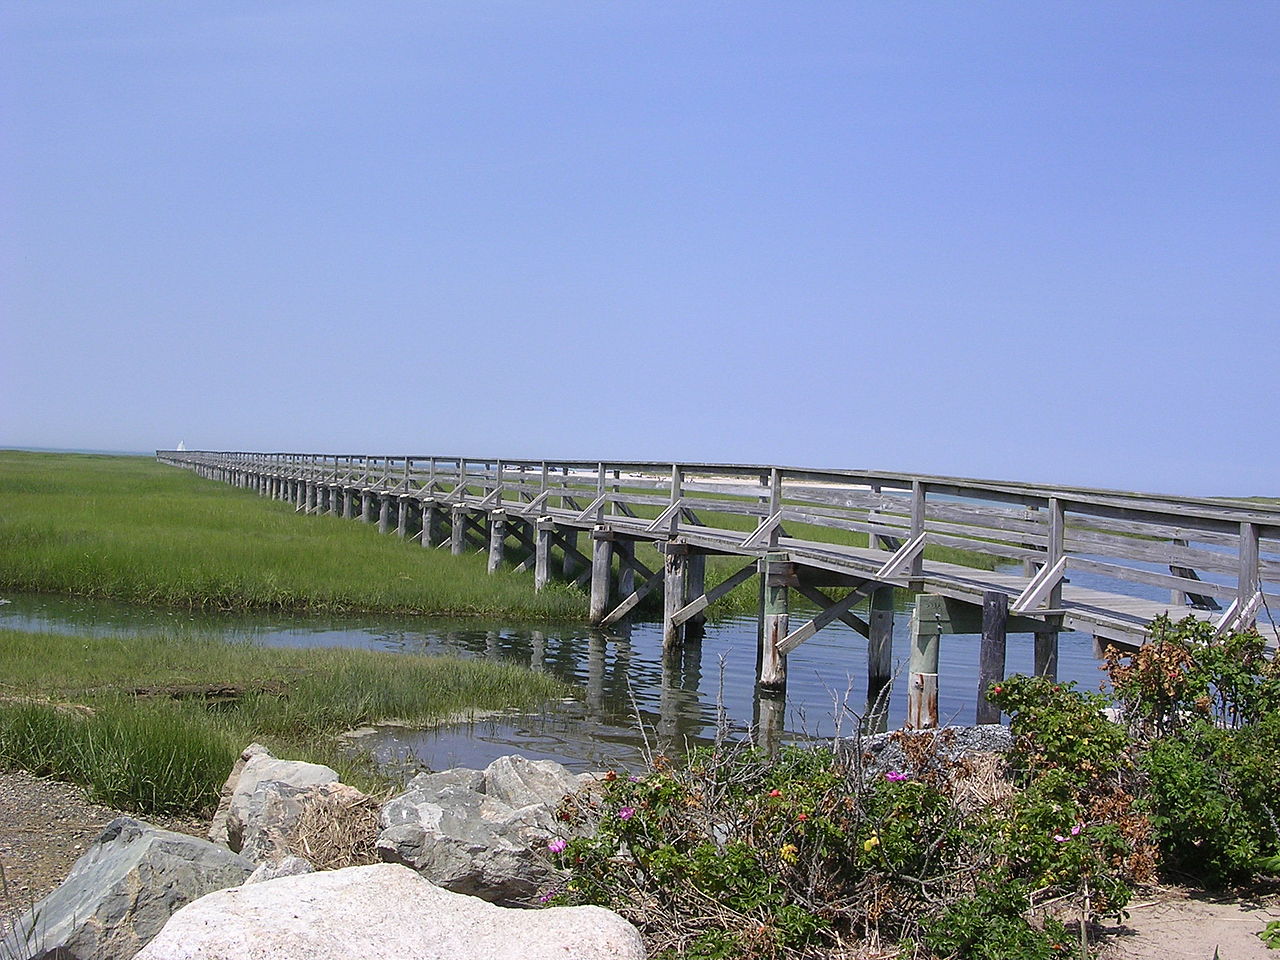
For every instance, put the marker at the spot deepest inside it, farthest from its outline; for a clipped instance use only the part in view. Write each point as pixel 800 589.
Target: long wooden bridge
pixel 983 557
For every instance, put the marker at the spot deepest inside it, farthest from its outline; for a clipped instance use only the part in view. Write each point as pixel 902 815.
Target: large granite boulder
pixel 322 818
pixel 218 826
pixel 482 833
pixel 257 802
pixel 121 892
pixel 383 912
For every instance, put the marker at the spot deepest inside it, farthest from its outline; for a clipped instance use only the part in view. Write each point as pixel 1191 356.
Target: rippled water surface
pixel 619 676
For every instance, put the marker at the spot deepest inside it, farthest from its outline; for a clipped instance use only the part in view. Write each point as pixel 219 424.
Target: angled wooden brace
pixel 1238 613
pixel 697 605
pixel 830 612
pixel 1039 588
pixel 762 532
pixel 663 520
pixel 588 514
pixel 901 558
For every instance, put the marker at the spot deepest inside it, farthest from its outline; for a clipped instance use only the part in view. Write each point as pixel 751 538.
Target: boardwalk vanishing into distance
pixel 1103 562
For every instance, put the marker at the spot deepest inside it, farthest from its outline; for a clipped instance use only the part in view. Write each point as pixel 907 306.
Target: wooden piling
pixel 430 524
pixel 694 587
pixel 404 506
pixel 879 660
pixel 384 513
pixel 542 553
pixel 674 566
pixel 366 506
pixel 497 538
pixel 601 573
pixel 458 530
pixel 922 680
pixel 991 653
pixel 568 568
pixel 779 576
pixel 1046 654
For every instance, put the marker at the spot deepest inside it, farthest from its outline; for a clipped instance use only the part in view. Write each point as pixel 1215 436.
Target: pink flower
pixel 896 776
pixel 556 846
pixel 626 813
pixel 1075 831
pixel 1059 838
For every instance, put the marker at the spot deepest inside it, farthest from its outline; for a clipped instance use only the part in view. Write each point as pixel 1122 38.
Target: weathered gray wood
pixel 626 552
pixel 457 530
pixel 695 585
pixel 1248 580
pixel 384 513
pixel 917 525
pixel 991 653
pixel 708 597
pixel 569 539
pixel 497 538
pixel 675 565
pixel 779 576
pixel 827 615
pixel 879 660
pixel 1046 654
pixel 841 612
pixel 601 573
pixel 542 555
pixel 922 677
pixel 633 599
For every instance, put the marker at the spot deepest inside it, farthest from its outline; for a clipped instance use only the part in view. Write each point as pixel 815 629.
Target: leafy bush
pixel 731 854
pixel 1205 712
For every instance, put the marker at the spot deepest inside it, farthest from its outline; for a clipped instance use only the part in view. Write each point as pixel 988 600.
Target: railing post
pixel 917 524
pixel 1249 579
pixel 775 505
pixel 1056 549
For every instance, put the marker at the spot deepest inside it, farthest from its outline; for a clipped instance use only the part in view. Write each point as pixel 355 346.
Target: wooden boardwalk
pixel 1103 562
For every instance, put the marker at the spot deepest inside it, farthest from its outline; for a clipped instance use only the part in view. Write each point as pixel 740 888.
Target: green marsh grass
pixel 128 528
pixel 152 743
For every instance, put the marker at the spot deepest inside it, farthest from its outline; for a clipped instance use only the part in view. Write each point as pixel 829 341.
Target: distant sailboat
pixel 182 444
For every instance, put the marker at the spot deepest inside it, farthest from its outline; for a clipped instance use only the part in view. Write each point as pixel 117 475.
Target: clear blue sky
pixel 1019 240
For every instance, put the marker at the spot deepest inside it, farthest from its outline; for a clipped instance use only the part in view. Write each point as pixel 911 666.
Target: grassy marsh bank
pixel 155 722
pixel 128 528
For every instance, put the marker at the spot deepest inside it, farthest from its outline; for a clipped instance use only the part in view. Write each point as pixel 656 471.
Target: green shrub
pixel 1205 712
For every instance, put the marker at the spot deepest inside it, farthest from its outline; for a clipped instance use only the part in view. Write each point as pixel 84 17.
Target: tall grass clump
pixel 154 723
pixel 128 528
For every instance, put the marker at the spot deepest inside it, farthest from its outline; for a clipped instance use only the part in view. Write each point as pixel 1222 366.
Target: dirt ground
pixel 44 828
pixel 1172 924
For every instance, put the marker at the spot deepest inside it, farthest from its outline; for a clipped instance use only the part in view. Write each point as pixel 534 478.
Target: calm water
pixel 619 676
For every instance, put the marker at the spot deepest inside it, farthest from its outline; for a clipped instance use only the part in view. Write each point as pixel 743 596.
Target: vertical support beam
pixel 917 524
pixel 1249 578
pixel 922 682
pixel 771 709
pixel 601 572
pixel 674 556
pixel 1056 547
pixel 384 513
pixel 366 506
pixel 497 538
pixel 348 503
pixel 695 586
pixel 430 524
pixel 542 553
pixel 1046 655
pixel 879 661
pixel 778 575
pixel 991 653
pixel 403 508
pixel 626 550
pixel 458 530
pixel 567 565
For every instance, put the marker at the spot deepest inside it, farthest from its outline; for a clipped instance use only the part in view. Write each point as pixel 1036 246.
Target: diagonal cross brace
pixel 833 611
pixel 701 603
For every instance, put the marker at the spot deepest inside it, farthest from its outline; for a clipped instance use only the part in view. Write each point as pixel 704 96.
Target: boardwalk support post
pixel 779 577
pixel 674 568
pixel 1046 653
pixel 366 506
pixel 879 660
pixel 991 653
pixel 404 506
pixel 458 530
pixel 542 553
pixel 695 586
pixel 601 572
pixel 430 524
pixel 922 682
pixel 497 538
pixel 384 513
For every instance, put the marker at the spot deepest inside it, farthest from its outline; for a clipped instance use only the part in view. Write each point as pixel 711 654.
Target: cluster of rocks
pixel 453 853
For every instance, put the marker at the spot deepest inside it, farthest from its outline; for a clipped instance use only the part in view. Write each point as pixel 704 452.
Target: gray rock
pixel 121 892
pixel 482 834
pixel 383 912
pixel 275 810
pixel 218 826
pixel 284 867
pixel 264 768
